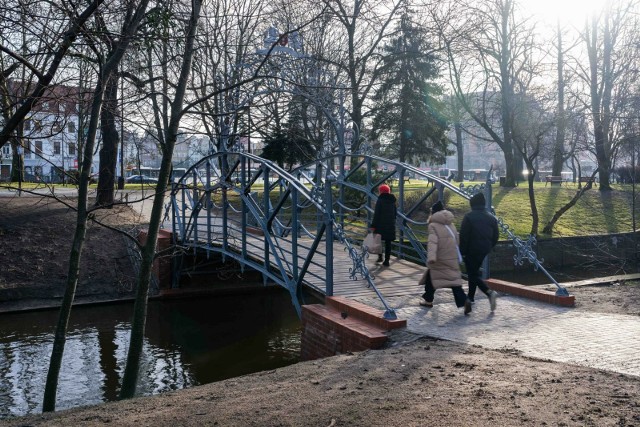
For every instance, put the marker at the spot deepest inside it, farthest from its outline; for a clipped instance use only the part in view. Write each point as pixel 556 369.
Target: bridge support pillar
pixel 162 265
pixel 341 326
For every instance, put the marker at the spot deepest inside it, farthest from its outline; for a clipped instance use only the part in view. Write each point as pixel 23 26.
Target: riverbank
pixel 416 381
pixel 36 234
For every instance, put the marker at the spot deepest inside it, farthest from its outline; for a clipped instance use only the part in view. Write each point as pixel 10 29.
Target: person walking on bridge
pixel 478 235
pixel 384 220
pixel 443 259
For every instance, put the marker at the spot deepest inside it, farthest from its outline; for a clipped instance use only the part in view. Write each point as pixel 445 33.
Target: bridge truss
pixel 298 228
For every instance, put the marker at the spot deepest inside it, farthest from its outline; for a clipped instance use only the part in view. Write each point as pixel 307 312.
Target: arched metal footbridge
pixel 305 227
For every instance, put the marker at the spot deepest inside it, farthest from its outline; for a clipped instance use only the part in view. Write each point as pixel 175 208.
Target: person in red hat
pixel 384 220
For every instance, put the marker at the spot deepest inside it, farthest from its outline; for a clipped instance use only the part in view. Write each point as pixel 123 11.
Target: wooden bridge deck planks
pixel 399 279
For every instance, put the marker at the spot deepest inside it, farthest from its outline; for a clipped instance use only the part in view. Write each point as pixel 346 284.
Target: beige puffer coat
pixel 442 253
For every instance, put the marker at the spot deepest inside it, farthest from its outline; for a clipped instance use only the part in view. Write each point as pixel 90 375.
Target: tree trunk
pixel 109 150
pixel 598 100
pixel 17 162
pixel 506 96
pixel 138 323
pixel 51 386
pixel 548 229
pixel 558 148
pixel 460 149
pixel 532 199
pixel 111 65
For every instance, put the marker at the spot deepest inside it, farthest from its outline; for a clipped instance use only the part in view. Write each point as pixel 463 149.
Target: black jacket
pixel 384 216
pixel 478 233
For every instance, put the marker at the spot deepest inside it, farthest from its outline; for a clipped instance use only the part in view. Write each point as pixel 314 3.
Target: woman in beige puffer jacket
pixel 443 263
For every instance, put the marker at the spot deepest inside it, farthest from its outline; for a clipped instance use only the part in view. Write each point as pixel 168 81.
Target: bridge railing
pixel 251 210
pixel 364 173
pixel 285 223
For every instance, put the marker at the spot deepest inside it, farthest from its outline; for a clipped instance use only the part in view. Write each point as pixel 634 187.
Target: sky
pixel 571 12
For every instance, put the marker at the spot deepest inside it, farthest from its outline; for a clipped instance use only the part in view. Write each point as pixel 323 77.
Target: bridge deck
pixel 399 279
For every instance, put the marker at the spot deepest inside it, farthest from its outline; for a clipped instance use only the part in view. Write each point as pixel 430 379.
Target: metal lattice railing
pixel 284 224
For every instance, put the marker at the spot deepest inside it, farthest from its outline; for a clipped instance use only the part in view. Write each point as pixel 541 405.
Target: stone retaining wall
pixel 572 251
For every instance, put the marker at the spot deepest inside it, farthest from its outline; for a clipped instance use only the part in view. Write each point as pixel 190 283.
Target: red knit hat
pixel 384 189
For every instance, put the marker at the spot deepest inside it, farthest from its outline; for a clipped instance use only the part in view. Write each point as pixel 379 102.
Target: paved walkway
pixel 603 341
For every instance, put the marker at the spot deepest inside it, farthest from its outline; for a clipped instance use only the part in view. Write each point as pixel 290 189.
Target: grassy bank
pixel 595 213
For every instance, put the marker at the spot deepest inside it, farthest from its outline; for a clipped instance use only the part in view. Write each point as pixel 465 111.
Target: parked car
pixel 141 179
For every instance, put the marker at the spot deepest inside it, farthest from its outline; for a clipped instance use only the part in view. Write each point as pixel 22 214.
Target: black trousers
pixel 429 292
pixel 473 264
pixel 387 250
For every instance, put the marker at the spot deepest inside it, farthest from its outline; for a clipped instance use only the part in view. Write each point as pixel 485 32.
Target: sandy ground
pixel 416 381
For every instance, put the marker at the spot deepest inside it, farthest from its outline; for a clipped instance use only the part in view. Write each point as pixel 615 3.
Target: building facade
pixel 51 136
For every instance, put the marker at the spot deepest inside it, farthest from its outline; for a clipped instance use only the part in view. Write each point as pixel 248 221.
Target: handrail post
pixel 245 209
pixel 488 194
pixel 328 197
pixel 294 234
pixel 267 212
pixel 400 210
pixel 225 212
pixel 208 201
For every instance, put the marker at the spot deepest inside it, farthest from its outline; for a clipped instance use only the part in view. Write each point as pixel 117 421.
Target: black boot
pixel 379 258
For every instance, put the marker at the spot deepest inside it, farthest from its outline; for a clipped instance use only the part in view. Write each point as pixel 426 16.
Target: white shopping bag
pixel 373 243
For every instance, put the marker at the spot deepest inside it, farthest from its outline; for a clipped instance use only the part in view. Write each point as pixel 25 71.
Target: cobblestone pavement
pixel 603 341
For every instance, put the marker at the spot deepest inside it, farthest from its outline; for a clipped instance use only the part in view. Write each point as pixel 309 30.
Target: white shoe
pixel 492 300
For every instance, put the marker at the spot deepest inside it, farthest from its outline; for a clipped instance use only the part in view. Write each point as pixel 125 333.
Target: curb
pixel 541 295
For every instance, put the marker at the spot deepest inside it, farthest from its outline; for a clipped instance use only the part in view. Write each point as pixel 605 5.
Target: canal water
pixel 188 342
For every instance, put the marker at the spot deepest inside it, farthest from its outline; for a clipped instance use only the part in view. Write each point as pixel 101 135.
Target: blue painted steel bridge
pixel 305 227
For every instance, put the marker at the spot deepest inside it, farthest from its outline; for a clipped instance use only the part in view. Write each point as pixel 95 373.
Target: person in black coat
pixel 478 235
pixel 384 220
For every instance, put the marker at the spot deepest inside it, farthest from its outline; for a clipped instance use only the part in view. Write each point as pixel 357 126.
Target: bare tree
pixel 611 40
pixel 43 74
pixel 361 27
pixel 135 13
pixel 531 128
pixel 489 47
pixel 168 128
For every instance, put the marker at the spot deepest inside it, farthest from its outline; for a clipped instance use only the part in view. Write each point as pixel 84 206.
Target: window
pixel 56 148
pixel 39 148
pixel 71 127
pixel 72 149
pixel 37 126
pixel 27 124
pixel 27 149
pixel 6 150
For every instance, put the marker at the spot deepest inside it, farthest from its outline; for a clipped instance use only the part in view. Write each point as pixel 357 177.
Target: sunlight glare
pixel 568 11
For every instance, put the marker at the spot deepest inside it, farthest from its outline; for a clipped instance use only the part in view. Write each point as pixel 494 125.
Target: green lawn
pixel 595 213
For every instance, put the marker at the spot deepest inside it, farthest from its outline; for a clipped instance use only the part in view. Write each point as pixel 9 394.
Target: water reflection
pixel 188 342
